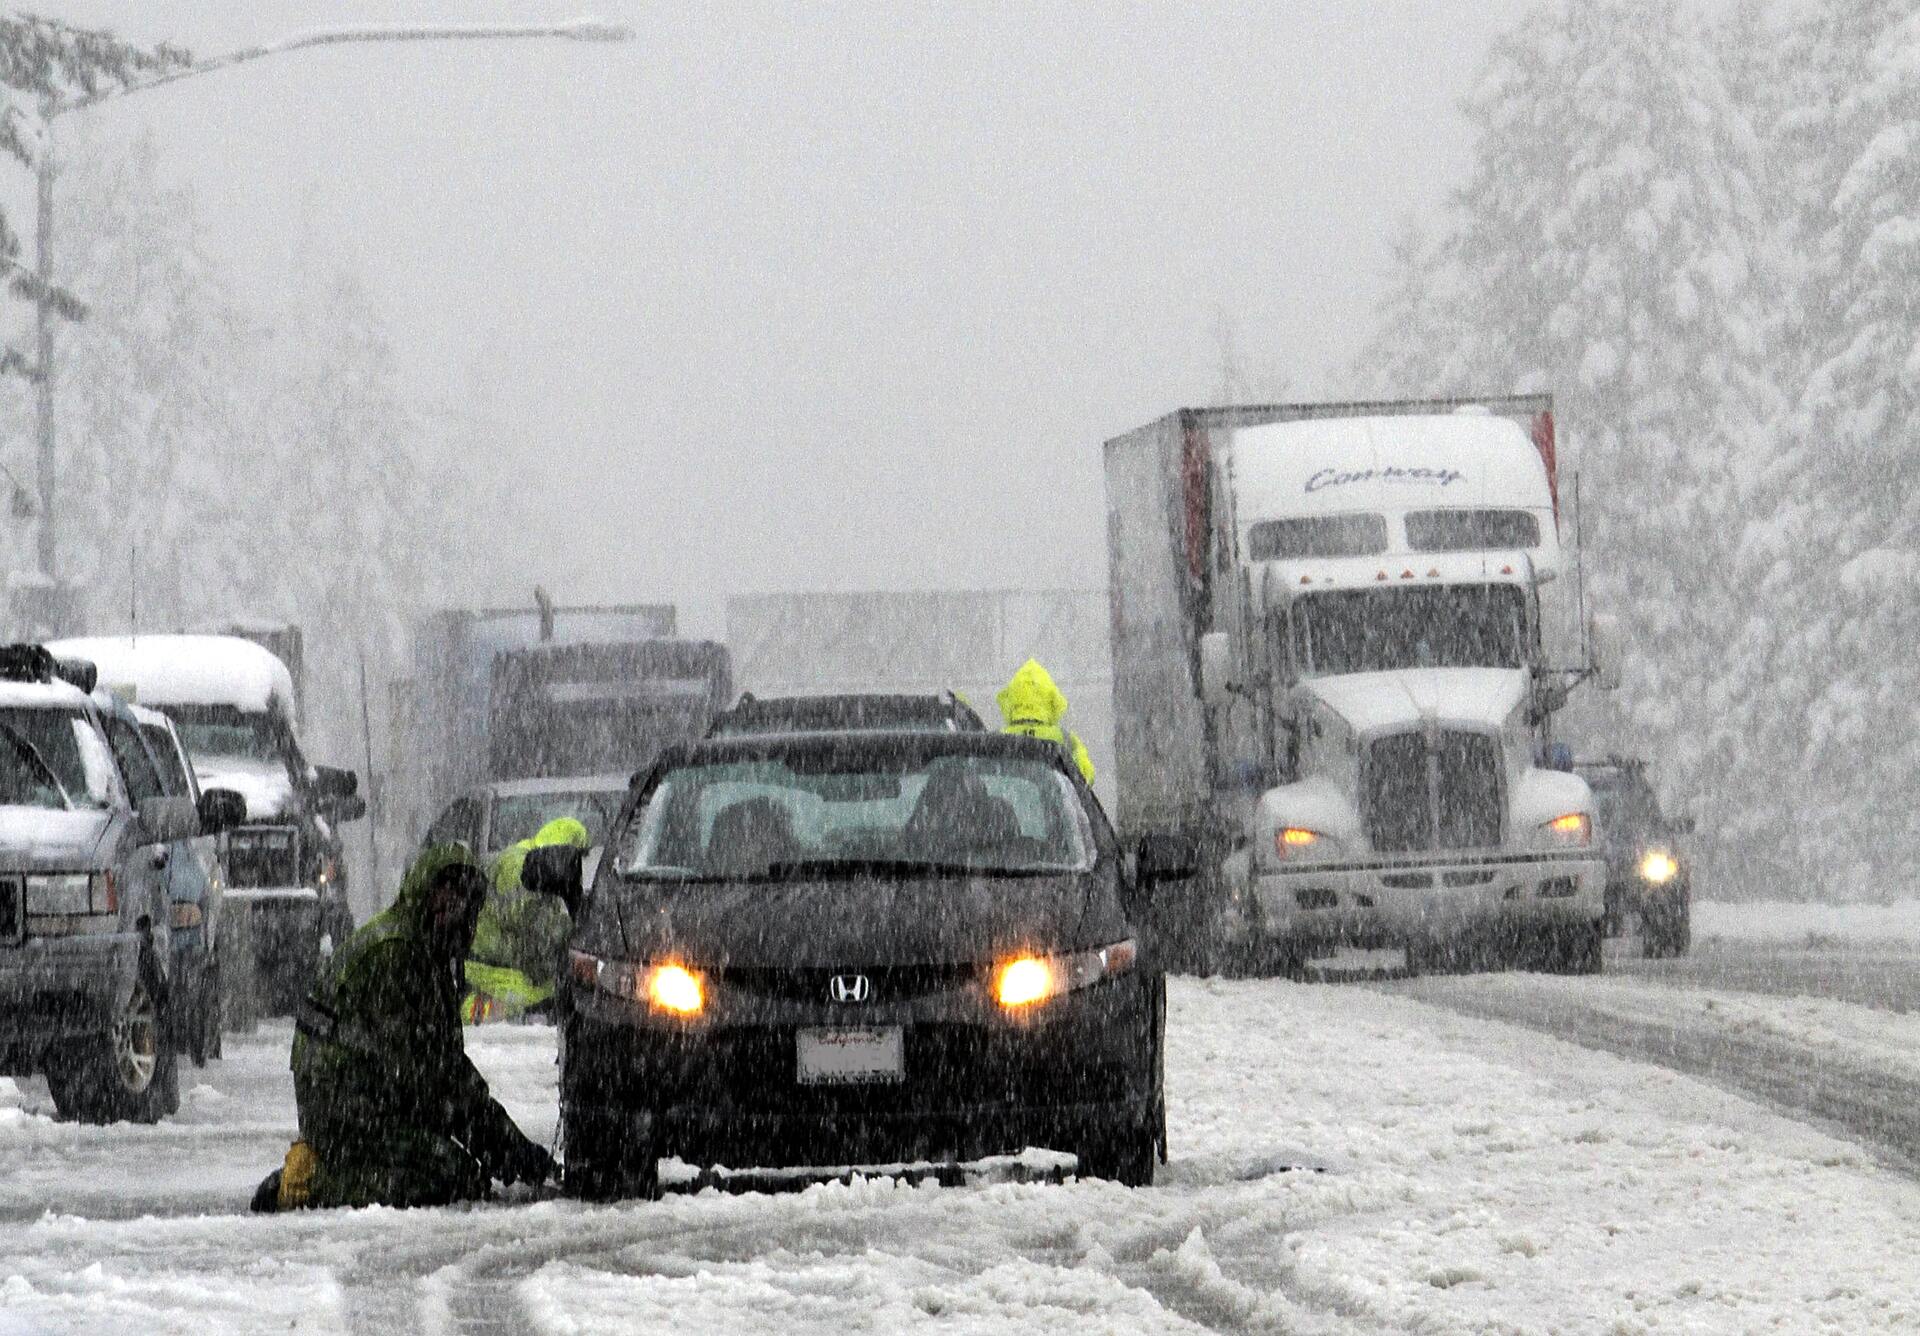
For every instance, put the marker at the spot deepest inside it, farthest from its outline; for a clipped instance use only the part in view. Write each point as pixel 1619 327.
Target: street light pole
pixel 577 30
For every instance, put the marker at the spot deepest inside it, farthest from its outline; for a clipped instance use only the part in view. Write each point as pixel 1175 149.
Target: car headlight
pixel 72 893
pixel 1658 867
pixel 1297 842
pixel 1572 830
pixel 1025 980
pixel 668 986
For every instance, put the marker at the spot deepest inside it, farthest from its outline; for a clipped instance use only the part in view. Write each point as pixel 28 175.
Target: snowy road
pixel 1478 1177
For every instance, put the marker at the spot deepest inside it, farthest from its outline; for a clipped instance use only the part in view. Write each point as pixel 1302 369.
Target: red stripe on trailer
pixel 1544 443
pixel 1194 458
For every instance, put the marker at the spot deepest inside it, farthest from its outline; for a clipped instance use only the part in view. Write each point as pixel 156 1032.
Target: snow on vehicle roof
pixel 41 695
pixel 187 670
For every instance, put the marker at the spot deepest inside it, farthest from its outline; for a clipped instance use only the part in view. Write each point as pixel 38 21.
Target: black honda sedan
pixel 836 949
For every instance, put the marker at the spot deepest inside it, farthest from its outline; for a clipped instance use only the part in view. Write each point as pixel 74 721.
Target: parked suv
pixel 88 835
pixel 233 705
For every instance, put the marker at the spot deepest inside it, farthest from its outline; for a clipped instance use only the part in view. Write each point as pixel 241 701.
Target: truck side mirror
pixel 555 870
pixel 331 781
pixel 1216 668
pixel 1682 826
pixel 1603 645
pixel 220 810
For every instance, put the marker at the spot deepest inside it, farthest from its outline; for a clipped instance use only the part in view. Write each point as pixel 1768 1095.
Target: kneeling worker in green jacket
pixel 392 1112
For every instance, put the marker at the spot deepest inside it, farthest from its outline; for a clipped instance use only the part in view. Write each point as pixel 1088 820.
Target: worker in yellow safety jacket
pixel 1033 705
pixel 511 966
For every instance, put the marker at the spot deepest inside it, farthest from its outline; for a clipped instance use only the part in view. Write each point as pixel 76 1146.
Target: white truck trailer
pixel 1329 674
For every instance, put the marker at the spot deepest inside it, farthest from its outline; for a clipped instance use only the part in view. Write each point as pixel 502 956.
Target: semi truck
pixel 1330 675
pixel 545 692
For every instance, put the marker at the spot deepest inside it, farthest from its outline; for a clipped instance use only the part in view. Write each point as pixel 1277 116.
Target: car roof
pixel 912 743
pixel 42 695
pixel 516 788
pixel 847 712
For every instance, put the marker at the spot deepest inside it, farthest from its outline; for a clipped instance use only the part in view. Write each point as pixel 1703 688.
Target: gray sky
pixel 827 296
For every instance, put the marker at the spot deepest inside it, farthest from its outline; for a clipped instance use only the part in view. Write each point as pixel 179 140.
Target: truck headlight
pixel 1296 842
pixel 72 893
pixel 1573 830
pixel 1658 867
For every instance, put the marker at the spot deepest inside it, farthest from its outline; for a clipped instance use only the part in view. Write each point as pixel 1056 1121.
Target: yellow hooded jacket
pixel 1033 704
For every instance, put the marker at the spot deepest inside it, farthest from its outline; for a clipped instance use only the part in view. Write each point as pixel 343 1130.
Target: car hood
pixel 856 921
pixel 1386 702
pixel 265 785
pixel 39 839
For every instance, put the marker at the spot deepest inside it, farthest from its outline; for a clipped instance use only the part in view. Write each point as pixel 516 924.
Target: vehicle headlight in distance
pixel 1300 842
pixel 1573 830
pixel 1658 866
pixel 668 987
pixel 1025 980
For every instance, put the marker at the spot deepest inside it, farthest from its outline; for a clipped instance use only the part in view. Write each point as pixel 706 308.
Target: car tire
pixel 203 1021
pixel 603 1162
pixel 129 1074
pixel 1667 936
pixel 1125 1150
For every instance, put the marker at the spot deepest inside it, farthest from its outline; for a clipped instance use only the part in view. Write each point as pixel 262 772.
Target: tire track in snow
pixel 1874 1105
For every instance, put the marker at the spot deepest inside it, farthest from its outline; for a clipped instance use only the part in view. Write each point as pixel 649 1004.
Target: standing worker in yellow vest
pixel 1034 706
pixel 516 946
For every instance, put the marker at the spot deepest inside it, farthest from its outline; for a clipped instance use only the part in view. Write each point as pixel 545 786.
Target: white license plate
pixel 850 1056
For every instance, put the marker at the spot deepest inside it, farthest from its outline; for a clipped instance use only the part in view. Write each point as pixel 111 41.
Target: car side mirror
pixel 340 810
pixel 555 870
pixel 221 809
pixel 332 781
pixel 169 820
pixel 1162 857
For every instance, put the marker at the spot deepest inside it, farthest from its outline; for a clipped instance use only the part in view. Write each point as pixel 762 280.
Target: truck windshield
pixel 1440 626
pixel 52 758
pixel 894 815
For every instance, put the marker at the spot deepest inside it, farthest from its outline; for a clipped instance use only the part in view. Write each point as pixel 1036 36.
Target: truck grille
pixel 263 856
pixel 1438 790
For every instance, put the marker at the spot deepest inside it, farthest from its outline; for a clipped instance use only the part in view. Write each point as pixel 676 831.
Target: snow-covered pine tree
pixel 1609 246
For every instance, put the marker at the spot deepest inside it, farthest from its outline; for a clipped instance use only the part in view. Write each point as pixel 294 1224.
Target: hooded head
pixel 1032 696
pixel 565 830
pixel 441 895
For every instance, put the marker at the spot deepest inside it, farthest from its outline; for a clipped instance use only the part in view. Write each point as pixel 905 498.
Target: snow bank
pixel 1807 924
pixel 187 669
pixel 1343 1161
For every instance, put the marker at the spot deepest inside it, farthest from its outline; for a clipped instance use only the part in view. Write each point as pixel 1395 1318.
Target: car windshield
pixel 229 733
pixel 519 816
pixel 52 758
pixel 1441 626
pixel 817 813
pixel 1623 807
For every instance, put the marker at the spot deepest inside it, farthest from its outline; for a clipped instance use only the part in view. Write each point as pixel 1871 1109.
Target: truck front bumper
pixel 1417 901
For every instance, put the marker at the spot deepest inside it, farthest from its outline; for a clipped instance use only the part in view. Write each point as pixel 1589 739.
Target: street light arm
pixel 577 30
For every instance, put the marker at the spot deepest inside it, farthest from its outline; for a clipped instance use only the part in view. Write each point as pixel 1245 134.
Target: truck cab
pixel 1373 688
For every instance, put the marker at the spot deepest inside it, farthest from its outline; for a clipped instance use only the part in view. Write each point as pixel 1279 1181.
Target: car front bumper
pixel 1406 902
pixel 974 1084
pixel 54 988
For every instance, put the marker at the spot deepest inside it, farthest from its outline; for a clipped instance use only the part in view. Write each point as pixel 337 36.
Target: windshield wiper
pixel 897 867
pixel 31 755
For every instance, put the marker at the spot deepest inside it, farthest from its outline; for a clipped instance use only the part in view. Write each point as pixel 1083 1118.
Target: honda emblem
pixel 850 988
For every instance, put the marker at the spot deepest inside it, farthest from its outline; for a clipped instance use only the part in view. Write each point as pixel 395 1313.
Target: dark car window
pixel 458 824
pixel 64 742
pixel 143 777
pixel 519 816
pixel 744 819
pixel 173 776
pixel 1318 536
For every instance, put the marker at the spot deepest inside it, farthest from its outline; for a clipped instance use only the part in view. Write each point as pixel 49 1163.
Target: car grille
pixel 13 924
pixel 886 983
pixel 1432 790
pixel 263 856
